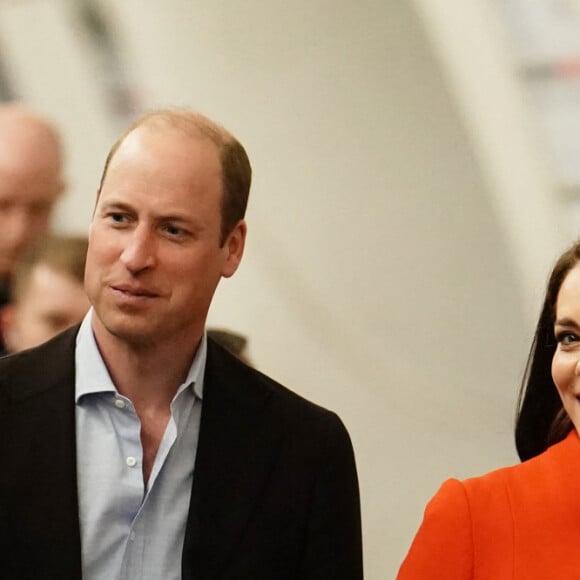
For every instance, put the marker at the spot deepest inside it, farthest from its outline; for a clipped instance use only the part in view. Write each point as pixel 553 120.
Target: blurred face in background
pixel 50 302
pixel 30 182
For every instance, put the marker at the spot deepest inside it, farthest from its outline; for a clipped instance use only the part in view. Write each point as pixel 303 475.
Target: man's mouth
pixel 136 291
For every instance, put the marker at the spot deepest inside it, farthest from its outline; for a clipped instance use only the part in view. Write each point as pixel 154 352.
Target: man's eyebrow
pixel 176 217
pixel 183 217
pixel 116 205
pixel 180 218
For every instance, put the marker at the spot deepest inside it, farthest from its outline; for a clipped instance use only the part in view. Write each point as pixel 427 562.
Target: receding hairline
pixel 189 122
pixel 235 167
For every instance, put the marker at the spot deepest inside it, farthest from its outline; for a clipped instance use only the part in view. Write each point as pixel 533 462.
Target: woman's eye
pixel 567 338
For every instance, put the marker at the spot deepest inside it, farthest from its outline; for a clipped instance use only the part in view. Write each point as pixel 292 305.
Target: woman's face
pixel 566 361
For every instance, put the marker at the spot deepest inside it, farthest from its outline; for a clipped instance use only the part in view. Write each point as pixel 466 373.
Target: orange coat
pixel 516 523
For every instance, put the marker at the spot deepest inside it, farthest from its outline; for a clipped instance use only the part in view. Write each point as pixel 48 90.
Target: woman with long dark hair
pixel 521 522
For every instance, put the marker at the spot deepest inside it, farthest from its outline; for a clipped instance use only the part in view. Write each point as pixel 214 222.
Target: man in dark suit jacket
pixel 268 479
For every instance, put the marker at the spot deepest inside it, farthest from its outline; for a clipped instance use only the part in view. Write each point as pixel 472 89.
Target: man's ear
pixel 234 248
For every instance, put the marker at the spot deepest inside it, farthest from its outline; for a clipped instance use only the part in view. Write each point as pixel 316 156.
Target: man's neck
pixel 149 375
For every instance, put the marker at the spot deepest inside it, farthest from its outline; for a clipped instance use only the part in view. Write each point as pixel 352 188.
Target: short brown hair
pixel 65 254
pixel 236 168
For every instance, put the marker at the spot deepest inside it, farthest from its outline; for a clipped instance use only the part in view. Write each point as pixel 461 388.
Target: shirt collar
pixel 92 376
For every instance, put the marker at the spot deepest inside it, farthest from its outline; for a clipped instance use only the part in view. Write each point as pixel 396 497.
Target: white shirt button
pixel 132 536
pixel 120 404
pixel 131 461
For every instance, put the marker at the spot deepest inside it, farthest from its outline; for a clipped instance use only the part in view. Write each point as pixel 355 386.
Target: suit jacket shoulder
pixel 275 492
pixel 38 369
pixel 224 367
pixel 39 530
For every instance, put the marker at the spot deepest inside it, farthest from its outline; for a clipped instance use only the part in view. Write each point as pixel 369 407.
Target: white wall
pixel 391 270
pixel 48 61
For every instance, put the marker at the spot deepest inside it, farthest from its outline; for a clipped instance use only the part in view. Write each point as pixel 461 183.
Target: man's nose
pixel 140 251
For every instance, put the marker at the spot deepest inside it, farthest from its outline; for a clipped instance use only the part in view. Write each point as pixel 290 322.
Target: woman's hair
pixel 541 419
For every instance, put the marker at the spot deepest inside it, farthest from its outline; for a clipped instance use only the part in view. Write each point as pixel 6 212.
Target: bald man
pixel 30 183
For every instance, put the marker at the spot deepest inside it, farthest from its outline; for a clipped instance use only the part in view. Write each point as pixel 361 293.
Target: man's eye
pixel 173 230
pixel 118 218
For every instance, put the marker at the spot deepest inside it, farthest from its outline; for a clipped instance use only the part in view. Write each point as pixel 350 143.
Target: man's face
pixel 51 302
pixel 154 257
pixel 27 196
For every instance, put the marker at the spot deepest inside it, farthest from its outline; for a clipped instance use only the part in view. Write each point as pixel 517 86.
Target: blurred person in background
pixel 233 342
pixel 520 522
pixel 48 294
pixel 31 181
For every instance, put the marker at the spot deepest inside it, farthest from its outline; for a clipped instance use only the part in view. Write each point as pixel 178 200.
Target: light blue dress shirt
pixel 130 531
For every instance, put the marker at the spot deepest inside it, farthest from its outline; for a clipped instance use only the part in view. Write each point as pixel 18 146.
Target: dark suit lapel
pixel 40 462
pixel 235 454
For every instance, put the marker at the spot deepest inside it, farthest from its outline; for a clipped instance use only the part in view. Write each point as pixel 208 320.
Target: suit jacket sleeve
pixel 443 546
pixel 333 543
